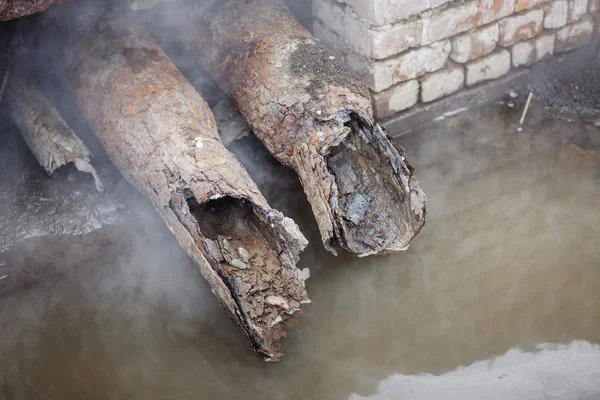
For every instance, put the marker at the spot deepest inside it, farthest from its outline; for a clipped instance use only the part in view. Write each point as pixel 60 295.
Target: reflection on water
pixel 508 258
pixel 550 373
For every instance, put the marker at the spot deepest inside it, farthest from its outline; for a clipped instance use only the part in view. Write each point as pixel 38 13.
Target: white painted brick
pixel 489 67
pixel 520 27
pixel 493 10
pixel 376 43
pixel 383 12
pixel 442 83
pixel 574 36
pixel 474 44
pixel 521 5
pixel 556 14
pixel 409 65
pixel 395 99
pixel 448 21
pixel 577 9
pixel 534 50
pixel 594 6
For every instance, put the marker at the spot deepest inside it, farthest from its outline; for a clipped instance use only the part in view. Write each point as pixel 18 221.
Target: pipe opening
pixel 370 215
pixel 251 262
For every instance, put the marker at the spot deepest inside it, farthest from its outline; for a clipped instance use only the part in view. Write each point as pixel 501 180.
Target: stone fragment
pixel 277 302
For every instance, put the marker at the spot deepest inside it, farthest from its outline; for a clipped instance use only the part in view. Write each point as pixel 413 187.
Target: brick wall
pixel 418 51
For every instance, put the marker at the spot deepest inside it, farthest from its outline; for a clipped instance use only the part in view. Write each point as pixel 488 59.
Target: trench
pixel 508 261
pixel 501 288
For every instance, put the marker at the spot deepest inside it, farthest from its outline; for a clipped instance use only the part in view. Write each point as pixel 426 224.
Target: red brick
pixel 520 27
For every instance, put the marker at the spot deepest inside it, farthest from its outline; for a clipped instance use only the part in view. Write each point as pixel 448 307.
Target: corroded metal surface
pixel 161 134
pixel 47 134
pixel 313 114
pixel 10 9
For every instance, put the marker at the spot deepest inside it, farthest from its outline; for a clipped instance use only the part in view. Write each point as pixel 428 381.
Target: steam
pixel 509 258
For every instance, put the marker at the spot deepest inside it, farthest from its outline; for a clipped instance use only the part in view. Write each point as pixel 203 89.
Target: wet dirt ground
pixel 509 259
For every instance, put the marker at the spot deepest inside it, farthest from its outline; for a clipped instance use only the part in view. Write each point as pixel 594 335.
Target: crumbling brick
pixel 493 10
pixel 489 67
pixel 377 43
pixel 521 5
pixel 395 99
pixel 534 50
pixel 383 12
pixel 520 27
pixel 443 23
pixel 577 9
pixel 475 44
pixel 556 14
pixel 442 83
pixel 574 36
pixel 409 65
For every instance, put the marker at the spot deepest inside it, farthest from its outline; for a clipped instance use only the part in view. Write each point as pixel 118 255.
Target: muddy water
pixel 509 259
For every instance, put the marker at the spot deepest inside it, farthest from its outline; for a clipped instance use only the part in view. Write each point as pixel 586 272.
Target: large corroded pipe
pixel 44 129
pixel 161 134
pixel 314 116
pixel 48 226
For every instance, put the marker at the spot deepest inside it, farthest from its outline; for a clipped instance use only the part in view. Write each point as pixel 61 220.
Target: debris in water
pixel 525 111
pixel 47 134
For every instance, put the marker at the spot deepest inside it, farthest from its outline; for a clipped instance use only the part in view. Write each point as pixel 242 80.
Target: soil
pixel 570 85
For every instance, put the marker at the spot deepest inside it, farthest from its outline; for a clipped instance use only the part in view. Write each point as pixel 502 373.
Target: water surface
pixel 509 259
